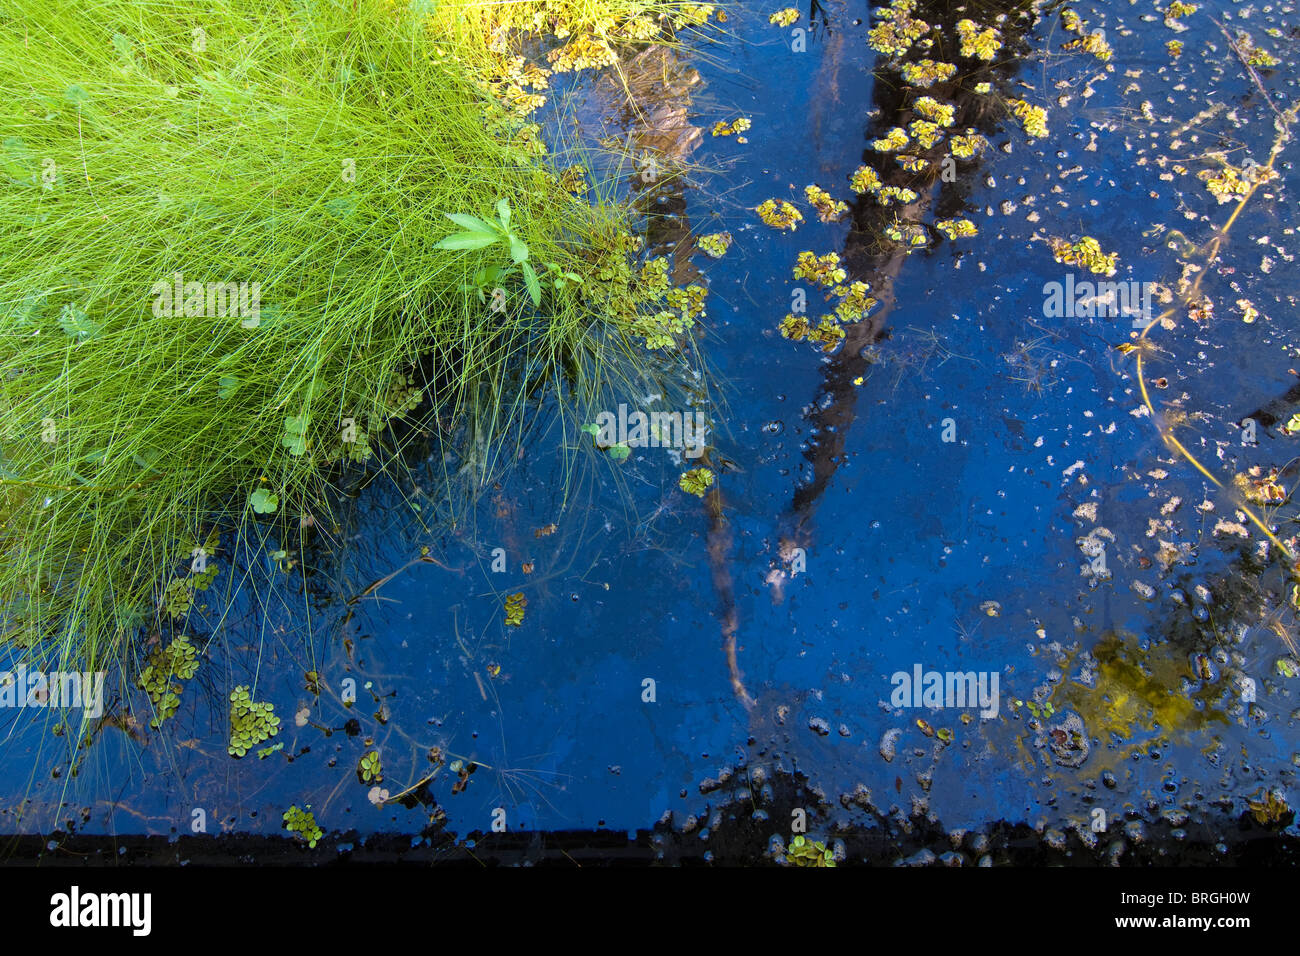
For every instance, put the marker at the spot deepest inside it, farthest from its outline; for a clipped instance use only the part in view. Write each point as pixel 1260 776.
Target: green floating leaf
pixel 696 482
pixel 619 452
pixel 263 501
pixel 226 386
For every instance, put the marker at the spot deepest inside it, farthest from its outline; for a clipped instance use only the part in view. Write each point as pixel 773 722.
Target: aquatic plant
pixel 804 852
pixel 250 722
pixel 211 332
pixel 897 29
pixel 976 42
pixel 715 244
pixel 696 482
pixel 1087 253
pixel 734 128
pixel 302 823
pixel 926 73
pixel 932 109
pixel 954 228
pixel 891 142
pixel 864 180
pixel 823 270
pixel 829 209
pixel 780 215
pixel 784 17
pixel 1032 118
pixel 161 675
pixel 371 768
pixel 515 605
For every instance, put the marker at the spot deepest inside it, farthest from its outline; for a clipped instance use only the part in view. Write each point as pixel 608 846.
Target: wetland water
pixel 965 487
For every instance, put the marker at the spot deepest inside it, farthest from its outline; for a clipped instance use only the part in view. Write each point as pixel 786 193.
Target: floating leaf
pixel 696 482
pixel 515 604
pixel 263 501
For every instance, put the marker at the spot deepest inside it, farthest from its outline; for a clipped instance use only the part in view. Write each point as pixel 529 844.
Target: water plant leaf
pixel 74 321
pixel 465 240
pixel 472 224
pixel 515 604
pixel 518 251
pixel 263 501
pixel 696 482
pixel 503 213
pixel 534 286
pixel 226 386
pixel 618 452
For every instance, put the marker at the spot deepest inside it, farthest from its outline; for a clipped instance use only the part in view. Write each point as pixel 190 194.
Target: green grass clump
pixel 223 274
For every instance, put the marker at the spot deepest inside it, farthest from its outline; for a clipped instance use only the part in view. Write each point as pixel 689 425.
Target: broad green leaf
pixel 530 280
pixel 619 452
pixel 503 213
pixel 263 501
pixel 518 251
pixel 471 223
pixel 466 240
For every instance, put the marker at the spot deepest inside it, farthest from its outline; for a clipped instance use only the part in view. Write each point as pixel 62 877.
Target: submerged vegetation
pixel 231 272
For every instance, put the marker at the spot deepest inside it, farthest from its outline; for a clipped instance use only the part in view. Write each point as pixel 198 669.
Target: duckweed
pixel 1032 118
pixel 177 661
pixel 954 228
pixel 371 768
pixel 803 852
pixel 824 270
pixel 968 145
pixel 302 823
pixel 1087 253
pixel 864 180
pixel 891 142
pixel 976 42
pixel 696 482
pixel 829 209
pixel 784 17
pixel 898 30
pixel 715 244
pixel 925 132
pixel 515 605
pixel 780 215
pixel 733 128
pixel 250 722
pixel 925 73
pixel 932 109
